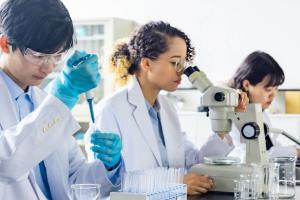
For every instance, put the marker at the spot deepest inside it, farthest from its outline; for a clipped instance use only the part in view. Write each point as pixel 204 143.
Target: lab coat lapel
pixel 172 135
pixel 142 118
pixel 55 178
pixel 38 96
pixel 35 187
pixel 8 117
pixel 55 182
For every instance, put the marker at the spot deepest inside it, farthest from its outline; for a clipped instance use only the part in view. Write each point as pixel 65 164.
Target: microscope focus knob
pixel 250 130
pixel 219 96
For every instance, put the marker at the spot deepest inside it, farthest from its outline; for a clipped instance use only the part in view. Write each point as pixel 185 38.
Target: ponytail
pixel 119 64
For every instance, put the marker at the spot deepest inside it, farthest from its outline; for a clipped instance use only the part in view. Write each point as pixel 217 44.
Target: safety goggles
pixel 39 59
pixel 179 65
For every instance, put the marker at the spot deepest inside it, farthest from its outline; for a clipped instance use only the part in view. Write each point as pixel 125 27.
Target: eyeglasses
pixel 179 65
pixel 39 59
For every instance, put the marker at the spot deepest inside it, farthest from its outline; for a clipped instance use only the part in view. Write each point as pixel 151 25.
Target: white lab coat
pixel 276 151
pixel 125 112
pixel 45 134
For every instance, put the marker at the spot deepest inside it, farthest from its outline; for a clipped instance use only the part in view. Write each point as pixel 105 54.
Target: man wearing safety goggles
pixel 39 158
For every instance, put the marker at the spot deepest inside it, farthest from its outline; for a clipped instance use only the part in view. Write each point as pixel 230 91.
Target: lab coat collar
pixel 7 106
pixel 7 121
pixel 140 114
pixel 13 88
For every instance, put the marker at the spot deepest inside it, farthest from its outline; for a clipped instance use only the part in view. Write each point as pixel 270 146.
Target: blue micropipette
pixel 88 94
pixel 89 99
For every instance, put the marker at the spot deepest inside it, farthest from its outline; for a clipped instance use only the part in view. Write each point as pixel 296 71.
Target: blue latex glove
pixel 107 148
pixel 79 75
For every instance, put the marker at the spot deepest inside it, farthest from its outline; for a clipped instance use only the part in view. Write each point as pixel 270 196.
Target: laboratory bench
pixel 212 196
pixel 228 196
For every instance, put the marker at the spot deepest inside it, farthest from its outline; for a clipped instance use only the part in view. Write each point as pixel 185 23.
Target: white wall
pixel 223 31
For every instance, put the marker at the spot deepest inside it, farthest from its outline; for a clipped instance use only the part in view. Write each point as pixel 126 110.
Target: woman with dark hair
pixel 151 135
pixel 259 76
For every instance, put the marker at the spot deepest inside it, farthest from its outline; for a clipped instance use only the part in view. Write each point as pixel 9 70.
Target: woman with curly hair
pixel 155 56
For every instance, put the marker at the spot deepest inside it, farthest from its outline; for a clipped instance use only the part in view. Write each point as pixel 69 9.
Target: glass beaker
pixel 246 187
pixel 287 176
pixel 267 181
pixel 85 191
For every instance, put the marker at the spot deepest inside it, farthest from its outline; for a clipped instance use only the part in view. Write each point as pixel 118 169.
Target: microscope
pixel 221 103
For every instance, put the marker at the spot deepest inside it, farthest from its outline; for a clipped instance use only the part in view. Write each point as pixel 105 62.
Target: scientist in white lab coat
pixel 147 122
pixel 259 76
pixel 39 158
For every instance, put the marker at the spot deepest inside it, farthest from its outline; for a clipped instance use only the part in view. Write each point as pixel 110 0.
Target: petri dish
pixel 221 160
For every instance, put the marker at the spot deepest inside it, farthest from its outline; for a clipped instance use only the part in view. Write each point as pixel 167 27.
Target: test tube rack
pixel 176 192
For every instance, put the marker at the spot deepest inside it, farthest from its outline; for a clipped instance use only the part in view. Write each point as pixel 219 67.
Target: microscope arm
pixel 282 132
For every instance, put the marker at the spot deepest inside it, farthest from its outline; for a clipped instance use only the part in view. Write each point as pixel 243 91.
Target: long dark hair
pixel 255 68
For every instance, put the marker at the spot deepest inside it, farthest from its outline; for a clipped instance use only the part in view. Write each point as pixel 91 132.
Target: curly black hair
pixel 150 41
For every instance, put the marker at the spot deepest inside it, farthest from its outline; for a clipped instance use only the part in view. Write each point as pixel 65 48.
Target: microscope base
pixel 222 175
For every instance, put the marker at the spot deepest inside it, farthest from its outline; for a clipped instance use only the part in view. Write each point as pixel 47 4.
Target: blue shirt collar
pixel 14 89
pixel 153 110
pixel 155 107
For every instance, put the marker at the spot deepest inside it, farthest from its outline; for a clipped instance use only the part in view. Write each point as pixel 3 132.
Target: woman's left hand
pixel 243 102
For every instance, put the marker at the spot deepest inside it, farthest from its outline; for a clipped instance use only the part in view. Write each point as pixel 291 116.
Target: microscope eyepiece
pixel 188 71
pixel 196 69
